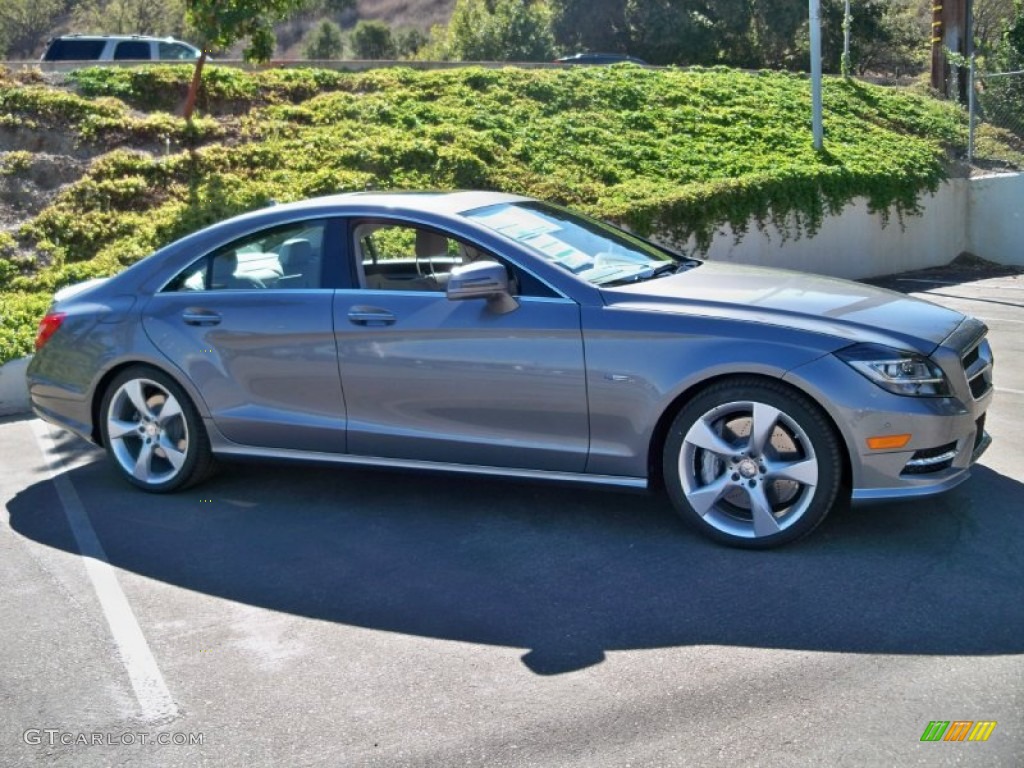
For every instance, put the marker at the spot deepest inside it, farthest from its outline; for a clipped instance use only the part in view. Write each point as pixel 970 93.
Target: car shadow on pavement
pixel 569 574
pixel 950 280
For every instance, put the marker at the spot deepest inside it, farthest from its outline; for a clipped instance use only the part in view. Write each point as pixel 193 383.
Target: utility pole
pixel 817 129
pixel 938 51
pixel 847 23
pixel 951 31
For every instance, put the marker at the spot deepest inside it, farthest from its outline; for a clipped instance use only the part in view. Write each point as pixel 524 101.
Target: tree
pixel 670 31
pixel 409 41
pixel 885 36
pixel 25 24
pixel 324 41
pixel 333 7
pixel 990 18
pixel 221 24
pixel 130 17
pixel 1001 99
pixel 372 40
pixel 590 25
pixel 774 28
pixel 500 30
pixel 732 31
pixel 1011 50
pixel 896 43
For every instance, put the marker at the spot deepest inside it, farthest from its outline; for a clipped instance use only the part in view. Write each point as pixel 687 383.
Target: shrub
pixel 324 41
pixel 372 40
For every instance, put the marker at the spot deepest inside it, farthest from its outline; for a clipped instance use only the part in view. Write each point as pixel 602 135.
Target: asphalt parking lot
pixel 306 616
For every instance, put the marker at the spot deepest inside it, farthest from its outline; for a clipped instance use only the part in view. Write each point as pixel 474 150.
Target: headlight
pixel 902 373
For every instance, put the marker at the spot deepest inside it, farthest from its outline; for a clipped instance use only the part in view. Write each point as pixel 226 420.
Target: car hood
pixel 849 310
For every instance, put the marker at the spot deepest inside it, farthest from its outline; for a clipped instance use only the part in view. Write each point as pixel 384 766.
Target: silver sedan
pixel 479 332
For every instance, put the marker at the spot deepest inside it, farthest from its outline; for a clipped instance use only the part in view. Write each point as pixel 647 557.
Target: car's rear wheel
pixel 152 431
pixel 752 463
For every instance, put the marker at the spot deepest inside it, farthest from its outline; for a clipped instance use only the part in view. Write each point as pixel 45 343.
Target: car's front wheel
pixel 752 463
pixel 152 431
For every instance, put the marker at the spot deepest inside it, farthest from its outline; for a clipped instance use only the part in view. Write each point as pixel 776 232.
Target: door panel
pixel 430 379
pixel 265 362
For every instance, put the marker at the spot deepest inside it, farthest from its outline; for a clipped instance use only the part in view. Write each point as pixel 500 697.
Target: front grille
pixel 971 357
pixel 977 362
pixel 930 460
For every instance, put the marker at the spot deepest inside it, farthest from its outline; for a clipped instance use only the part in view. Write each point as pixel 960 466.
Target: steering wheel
pixel 431 272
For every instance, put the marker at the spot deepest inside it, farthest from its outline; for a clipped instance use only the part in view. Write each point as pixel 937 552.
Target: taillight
pixel 48 326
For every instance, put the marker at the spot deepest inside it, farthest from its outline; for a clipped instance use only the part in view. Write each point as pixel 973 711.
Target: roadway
pixel 308 616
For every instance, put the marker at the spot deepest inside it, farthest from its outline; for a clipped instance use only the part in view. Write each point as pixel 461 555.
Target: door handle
pixel 370 316
pixel 200 317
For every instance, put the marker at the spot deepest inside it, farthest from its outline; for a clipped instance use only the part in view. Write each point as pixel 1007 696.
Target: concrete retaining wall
pixel 983 216
pixel 995 218
pixel 13 390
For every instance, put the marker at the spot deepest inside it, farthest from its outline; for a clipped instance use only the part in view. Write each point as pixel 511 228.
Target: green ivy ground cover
pixel 669 151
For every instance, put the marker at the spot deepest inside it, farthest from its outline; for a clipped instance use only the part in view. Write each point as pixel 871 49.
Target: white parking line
pixel 154 699
pixel 996 286
pixel 1010 391
pixel 989 320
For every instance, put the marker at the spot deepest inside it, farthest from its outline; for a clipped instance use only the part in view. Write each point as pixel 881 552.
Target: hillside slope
pixel 422 14
pixel 397 14
pixel 99 173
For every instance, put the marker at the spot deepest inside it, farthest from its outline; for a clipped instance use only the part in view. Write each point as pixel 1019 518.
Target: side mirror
pixel 482 280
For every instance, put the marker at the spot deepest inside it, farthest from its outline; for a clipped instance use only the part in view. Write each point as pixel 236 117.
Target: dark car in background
pixel 487 333
pixel 599 58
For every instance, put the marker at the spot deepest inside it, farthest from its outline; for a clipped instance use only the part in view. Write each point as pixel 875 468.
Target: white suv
pixel 118 48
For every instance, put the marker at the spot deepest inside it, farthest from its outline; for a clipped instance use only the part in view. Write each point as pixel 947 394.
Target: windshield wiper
pixel 666 269
pixel 671 268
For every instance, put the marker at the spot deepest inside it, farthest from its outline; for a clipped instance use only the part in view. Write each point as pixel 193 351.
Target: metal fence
pixel 996 114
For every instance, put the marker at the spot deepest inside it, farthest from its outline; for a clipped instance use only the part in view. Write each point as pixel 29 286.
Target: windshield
pixel 597 252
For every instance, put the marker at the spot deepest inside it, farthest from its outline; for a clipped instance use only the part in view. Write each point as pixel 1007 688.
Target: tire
pixel 752 463
pixel 152 431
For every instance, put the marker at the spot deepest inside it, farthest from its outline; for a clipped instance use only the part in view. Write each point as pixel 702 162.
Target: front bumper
pixel 947 434
pixel 929 483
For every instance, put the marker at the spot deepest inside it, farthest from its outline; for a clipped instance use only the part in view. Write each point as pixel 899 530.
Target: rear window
pixel 132 49
pixel 74 50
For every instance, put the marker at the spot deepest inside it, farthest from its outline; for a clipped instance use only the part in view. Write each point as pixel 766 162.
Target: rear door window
pixel 132 49
pixel 289 257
